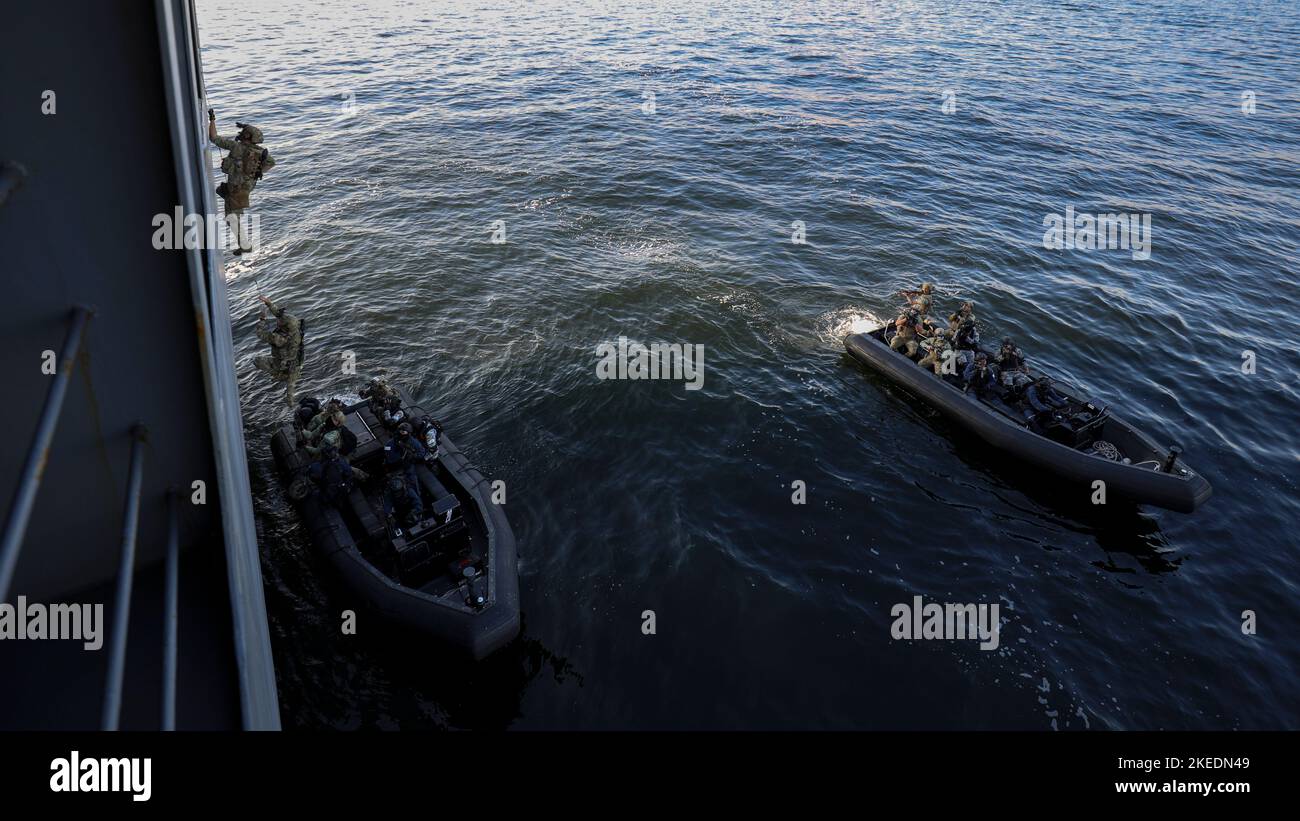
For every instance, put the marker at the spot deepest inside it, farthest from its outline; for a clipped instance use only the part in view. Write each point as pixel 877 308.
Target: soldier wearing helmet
pixel 904 336
pixel 921 300
pixel 404 451
pixel 333 476
pixel 401 455
pixel 966 337
pixel 1011 364
pixel 937 346
pixel 981 376
pixel 1044 400
pixel 330 436
pixel 964 312
pixel 284 363
pixel 244 166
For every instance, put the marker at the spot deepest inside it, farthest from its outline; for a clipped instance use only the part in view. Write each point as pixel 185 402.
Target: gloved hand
pixel 212 115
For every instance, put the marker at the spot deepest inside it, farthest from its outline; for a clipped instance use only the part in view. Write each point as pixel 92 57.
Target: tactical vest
pixel 241 166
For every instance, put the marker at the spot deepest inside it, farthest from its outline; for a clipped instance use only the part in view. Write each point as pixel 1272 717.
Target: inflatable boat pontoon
pixel 1081 444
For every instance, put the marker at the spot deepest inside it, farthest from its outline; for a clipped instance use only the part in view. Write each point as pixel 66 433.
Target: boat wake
pixel 832 327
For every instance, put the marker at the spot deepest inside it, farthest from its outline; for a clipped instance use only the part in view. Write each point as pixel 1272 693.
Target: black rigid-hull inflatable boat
pixel 454 575
pixel 1081 444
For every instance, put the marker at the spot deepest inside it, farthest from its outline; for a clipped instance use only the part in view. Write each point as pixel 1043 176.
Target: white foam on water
pixel 832 327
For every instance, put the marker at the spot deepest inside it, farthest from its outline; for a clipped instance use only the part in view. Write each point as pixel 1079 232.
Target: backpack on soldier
pixel 251 165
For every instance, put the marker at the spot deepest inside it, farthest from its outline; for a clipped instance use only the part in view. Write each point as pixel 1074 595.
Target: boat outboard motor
pixel 1174 453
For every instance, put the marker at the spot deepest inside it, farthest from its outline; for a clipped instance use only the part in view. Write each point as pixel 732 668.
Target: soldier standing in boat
pixel 284 363
pixel 921 300
pixel 244 166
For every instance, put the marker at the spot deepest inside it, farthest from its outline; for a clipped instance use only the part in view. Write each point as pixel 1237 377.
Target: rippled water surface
pixel 675 225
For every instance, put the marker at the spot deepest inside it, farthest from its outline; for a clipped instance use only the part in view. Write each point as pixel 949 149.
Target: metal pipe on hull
pixel 125 574
pixel 170 618
pixel 30 480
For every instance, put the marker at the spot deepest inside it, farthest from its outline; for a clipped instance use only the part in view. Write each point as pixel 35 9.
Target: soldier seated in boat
pixel 333 476
pixel 330 434
pixel 937 346
pixel 966 311
pixel 966 337
pixel 321 422
pixel 404 449
pixel 315 426
pixel 401 455
pixel 905 337
pixel 385 402
pixel 426 430
pixel 981 377
pixel 402 501
pixel 377 390
pixel 1011 363
pixel 1043 400
pixel 390 412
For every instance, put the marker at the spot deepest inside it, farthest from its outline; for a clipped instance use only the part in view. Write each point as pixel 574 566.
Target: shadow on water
pixel 440 689
pixel 1119 526
pixel 483 695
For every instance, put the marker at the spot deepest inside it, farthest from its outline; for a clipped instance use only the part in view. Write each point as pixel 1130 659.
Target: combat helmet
pixel 252 132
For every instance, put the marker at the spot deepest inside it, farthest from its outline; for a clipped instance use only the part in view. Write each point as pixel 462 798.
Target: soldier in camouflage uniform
pixel 284 363
pixel 904 336
pixel 330 435
pixel 313 429
pixel 921 301
pixel 385 402
pixel 958 317
pixel 244 166
pixel 936 346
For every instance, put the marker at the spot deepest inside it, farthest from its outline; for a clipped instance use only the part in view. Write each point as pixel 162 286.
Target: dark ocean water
pixel 675 226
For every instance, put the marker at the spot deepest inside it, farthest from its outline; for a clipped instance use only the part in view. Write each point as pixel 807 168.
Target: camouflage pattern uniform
pixel 921 300
pixel 905 339
pixel 936 345
pixel 286 345
pixel 317 426
pixel 957 317
pixel 331 439
pixel 242 166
